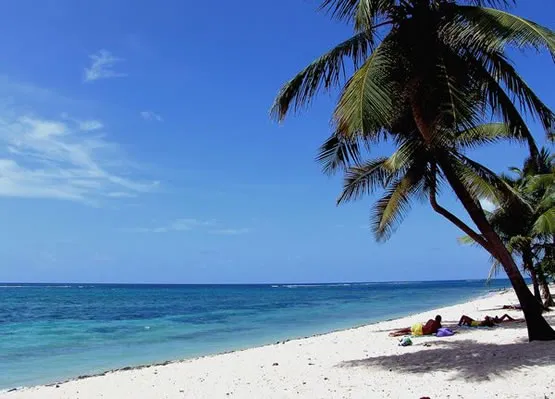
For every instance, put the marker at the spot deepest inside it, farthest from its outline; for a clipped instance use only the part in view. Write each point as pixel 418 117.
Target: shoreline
pixel 119 382
pixel 226 352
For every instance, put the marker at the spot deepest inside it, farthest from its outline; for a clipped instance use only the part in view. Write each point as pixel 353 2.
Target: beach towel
pixel 444 332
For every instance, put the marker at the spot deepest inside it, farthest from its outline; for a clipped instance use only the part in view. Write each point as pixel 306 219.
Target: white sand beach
pixel 361 362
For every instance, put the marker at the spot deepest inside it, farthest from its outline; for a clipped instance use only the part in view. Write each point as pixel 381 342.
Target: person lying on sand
pixel 429 328
pixel 487 322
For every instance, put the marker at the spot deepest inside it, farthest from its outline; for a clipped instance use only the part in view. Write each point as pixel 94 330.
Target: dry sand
pixel 362 362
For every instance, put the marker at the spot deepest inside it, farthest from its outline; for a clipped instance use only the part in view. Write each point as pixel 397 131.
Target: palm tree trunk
pixel 547 299
pixel 535 284
pixel 546 294
pixel 529 267
pixel 538 328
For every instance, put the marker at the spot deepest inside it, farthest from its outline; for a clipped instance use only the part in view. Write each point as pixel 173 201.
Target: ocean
pixel 52 332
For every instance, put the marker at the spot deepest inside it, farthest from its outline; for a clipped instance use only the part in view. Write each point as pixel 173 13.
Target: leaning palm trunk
pixel 538 328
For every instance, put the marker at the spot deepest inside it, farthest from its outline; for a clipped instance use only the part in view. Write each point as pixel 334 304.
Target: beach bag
pixel 405 341
pixel 444 332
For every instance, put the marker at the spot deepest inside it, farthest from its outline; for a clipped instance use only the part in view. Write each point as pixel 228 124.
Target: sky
pixel 136 146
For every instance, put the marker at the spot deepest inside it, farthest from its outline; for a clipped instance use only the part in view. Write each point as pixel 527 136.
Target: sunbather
pixel 429 328
pixel 487 322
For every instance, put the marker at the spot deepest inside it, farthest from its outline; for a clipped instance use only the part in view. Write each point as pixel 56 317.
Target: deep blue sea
pixel 51 332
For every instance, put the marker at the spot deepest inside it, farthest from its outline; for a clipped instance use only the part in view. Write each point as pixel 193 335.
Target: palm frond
pixel 364 179
pixel 338 153
pixel 411 149
pixel 543 181
pixel 519 243
pixel 467 240
pixel 482 134
pixel 492 3
pixel 480 182
pixel 325 73
pixel 501 69
pixel 460 100
pixel 362 13
pixel 390 210
pixel 494 29
pixel 501 104
pixel 545 223
pixel 365 105
pixel 494 270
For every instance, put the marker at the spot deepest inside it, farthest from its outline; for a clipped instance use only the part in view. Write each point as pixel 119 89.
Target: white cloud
pixel 90 125
pixel 121 194
pixel 231 232
pixel 151 116
pixel 187 224
pixel 102 66
pixel 42 158
pixel 183 224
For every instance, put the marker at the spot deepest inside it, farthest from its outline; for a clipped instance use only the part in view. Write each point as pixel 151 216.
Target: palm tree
pixel 440 68
pixel 526 225
pixel 539 189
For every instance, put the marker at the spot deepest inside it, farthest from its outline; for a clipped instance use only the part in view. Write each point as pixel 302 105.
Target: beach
pixel 362 362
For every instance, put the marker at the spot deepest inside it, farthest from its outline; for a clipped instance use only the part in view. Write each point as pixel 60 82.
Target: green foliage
pixel 527 224
pixel 427 76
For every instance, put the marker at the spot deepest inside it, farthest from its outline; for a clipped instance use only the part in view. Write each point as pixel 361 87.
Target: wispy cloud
pixel 90 125
pixel 102 66
pixel 183 224
pixel 151 116
pixel 188 224
pixel 42 158
pixel 231 232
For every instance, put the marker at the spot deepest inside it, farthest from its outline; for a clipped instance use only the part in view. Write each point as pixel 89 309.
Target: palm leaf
pixel 545 223
pixel 411 150
pixel 325 72
pixel 501 70
pixel 362 13
pixel 480 182
pixel 338 153
pixel 494 270
pixel 482 134
pixel 492 3
pixel 467 240
pixel 365 106
pixel 493 29
pixel 364 179
pixel 500 103
pixel 392 207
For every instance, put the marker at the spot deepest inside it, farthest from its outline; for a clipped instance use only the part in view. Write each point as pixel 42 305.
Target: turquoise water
pixel 54 332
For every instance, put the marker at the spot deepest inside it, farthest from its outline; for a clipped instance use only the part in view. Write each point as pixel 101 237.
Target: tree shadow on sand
pixel 469 359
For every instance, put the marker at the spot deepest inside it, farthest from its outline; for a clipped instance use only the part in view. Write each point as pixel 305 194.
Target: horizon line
pixel 261 283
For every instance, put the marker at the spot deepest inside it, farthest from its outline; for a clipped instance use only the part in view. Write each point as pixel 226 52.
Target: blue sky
pixel 136 146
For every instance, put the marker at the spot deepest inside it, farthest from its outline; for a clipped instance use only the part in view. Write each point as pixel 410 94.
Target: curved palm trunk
pixel 538 328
